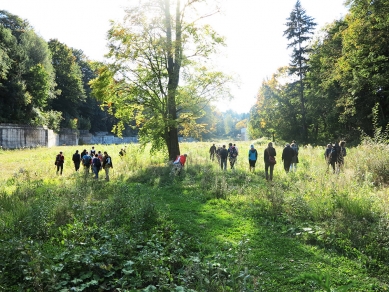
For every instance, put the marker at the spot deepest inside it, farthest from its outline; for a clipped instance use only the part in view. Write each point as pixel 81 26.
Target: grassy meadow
pixel 205 230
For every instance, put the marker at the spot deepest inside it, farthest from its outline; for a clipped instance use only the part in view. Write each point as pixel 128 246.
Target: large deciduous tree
pixel 300 27
pixel 157 73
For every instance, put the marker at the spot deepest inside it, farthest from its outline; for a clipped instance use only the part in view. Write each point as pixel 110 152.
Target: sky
pixel 253 29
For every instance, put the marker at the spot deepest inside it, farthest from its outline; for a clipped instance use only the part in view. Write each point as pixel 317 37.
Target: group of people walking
pixel 223 154
pixel 334 155
pixel 92 160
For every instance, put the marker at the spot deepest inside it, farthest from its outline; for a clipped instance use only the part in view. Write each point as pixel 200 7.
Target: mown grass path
pixel 276 260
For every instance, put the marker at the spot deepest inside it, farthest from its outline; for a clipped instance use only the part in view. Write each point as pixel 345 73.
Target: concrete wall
pixel 14 136
pixel 52 138
pixel 68 137
pixel 19 136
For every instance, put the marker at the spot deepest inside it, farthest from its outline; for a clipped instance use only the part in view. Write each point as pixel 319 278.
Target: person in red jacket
pixel 179 163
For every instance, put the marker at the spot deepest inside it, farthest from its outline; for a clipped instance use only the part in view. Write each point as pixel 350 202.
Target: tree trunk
pixel 174 65
pixel 303 114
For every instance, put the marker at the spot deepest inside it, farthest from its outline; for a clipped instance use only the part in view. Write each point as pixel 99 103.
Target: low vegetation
pixel 205 230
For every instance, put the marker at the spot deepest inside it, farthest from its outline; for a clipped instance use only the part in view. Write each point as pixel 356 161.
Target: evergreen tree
pixel 300 27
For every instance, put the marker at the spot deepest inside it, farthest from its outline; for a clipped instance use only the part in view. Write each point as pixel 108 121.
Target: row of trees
pixel 45 83
pixel 333 83
pixel 157 81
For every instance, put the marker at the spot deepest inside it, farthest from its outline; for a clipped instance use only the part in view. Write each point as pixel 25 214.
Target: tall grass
pixel 147 229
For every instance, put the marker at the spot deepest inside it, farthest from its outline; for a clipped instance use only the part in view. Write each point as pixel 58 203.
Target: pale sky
pixel 253 30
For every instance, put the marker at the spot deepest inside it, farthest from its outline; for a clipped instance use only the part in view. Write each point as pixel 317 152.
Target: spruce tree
pixel 300 27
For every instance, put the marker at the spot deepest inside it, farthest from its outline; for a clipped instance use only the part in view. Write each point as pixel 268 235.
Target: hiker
pixel 233 154
pixel 59 161
pixel 295 159
pixel 179 163
pixel 92 152
pixel 342 154
pixel 219 148
pixel 107 164
pixel 86 162
pixel 296 145
pixel 253 155
pixel 121 152
pixel 100 155
pixel 212 152
pixel 76 160
pixel 237 151
pixel 327 156
pixel 83 153
pixel 269 159
pixel 223 157
pixel 287 156
pixel 96 165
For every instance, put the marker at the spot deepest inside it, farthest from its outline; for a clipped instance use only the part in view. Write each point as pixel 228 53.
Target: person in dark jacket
pixel 342 153
pixel 76 160
pixel 253 155
pixel 107 164
pixel 212 152
pixel 287 155
pixel 269 151
pixel 59 161
pixel 223 157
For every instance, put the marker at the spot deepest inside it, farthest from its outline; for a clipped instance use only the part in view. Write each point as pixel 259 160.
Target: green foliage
pixel 157 76
pixel 26 74
pixel 205 230
pixel 69 81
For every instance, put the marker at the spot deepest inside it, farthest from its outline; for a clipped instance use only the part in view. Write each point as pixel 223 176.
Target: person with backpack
pixel 253 155
pixel 342 153
pixel 333 157
pixel 233 154
pixel 212 152
pixel 86 162
pixel 107 164
pixel 59 161
pixel 92 152
pixel 269 159
pixel 223 157
pixel 96 165
pixel 287 156
pixel 237 153
pixel 76 160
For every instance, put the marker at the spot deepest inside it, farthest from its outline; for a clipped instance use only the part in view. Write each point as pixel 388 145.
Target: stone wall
pixel 68 137
pixel 106 138
pixel 14 136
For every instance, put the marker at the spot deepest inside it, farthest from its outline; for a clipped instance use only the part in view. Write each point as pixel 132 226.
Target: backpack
pixel 97 163
pixel 86 160
pixel 57 160
pixel 333 154
pixel 233 152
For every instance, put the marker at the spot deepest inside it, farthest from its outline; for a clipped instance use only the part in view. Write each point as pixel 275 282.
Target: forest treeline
pixel 47 83
pixel 336 82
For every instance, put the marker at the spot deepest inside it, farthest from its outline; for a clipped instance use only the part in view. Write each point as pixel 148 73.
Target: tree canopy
pixel 345 83
pixel 157 73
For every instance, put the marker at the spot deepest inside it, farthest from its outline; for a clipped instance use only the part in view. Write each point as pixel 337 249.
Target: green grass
pixel 205 230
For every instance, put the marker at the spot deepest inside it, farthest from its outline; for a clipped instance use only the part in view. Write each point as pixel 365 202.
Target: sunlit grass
pixel 206 229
